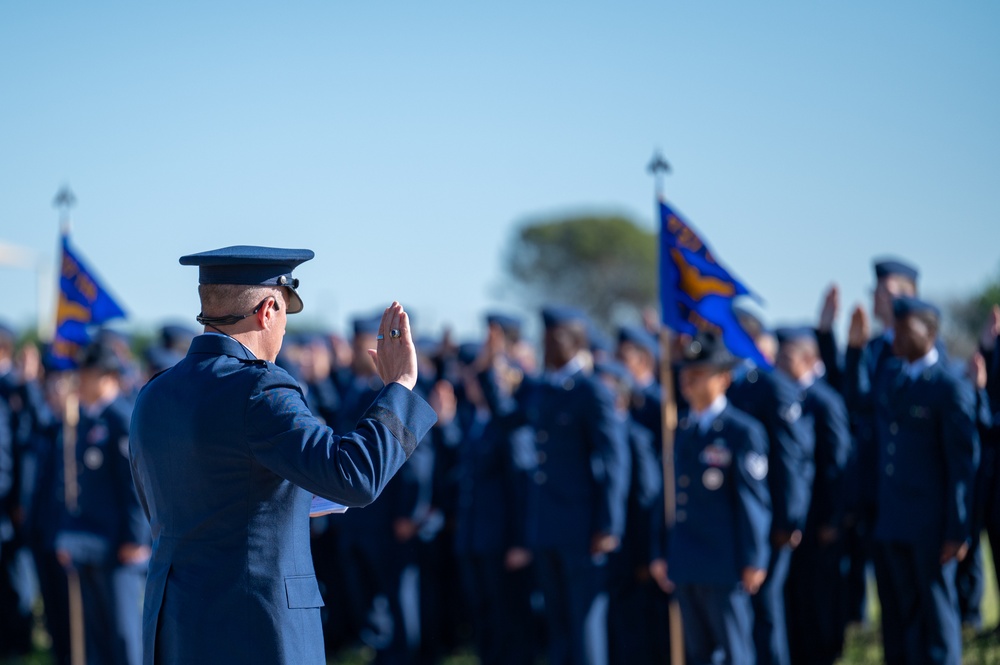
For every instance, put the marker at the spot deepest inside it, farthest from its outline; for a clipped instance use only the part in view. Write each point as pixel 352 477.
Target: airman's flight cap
pixel 561 315
pixel 639 337
pixel 509 324
pixel 887 266
pixel 906 305
pixel 707 350
pixel 791 334
pixel 251 266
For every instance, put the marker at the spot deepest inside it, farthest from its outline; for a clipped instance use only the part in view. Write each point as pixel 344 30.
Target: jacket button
pixel 891 448
pixel 681 515
pixel 889 469
pixel 682 499
pixel 893 428
pixel 683 481
pixel 540 477
pixel 541 436
pixel 541 457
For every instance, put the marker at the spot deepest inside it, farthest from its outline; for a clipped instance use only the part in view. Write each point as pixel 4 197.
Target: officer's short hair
pixel 222 299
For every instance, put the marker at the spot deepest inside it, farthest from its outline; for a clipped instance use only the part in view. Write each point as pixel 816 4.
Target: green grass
pixel 863 645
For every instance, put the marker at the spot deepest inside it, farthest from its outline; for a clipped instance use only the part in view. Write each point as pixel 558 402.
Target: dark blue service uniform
pixel 107 516
pixel 723 517
pixel 634 634
pixel 226 457
pixel 928 450
pixel 578 489
pixel 814 592
pixel 489 521
pixel 776 402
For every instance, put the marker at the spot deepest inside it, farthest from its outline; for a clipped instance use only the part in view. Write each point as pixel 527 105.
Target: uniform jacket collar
pixel 219 345
pixel 559 376
pixel 916 368
pixel 705 419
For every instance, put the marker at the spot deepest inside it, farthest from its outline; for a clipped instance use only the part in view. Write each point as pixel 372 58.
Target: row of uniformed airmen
pixel 530 520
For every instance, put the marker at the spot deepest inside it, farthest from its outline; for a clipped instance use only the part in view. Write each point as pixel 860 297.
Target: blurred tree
pixel 605 265
pixel 967 315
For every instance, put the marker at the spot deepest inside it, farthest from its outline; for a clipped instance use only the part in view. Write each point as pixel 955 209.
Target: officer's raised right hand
pixel 831 303
pixel 396 357
pixel 860 330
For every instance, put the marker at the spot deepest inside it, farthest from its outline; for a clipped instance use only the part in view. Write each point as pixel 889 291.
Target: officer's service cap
pixel 159 358
pixel 509 324
pixel 614 369
pixel 706 350
pixel 367 325
pixel 251 266
pixel 786 334
pixel 175 334
pixel 100 355
pixel 886 267
pixel 906 305
pixel 639 337
pixel 560 315
pixel 468 352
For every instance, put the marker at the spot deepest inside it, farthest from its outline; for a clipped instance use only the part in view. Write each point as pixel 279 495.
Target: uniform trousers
pixel 576 606
pixel 770 634
pixel 815 596
pixel 718 624
pixel 920 622
pixel 112 612
pixel 500 603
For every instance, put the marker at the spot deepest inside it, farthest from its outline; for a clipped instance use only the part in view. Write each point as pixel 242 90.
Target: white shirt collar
pixel 559 376
pixel 94 411
pixel 915 369
pixel 705 418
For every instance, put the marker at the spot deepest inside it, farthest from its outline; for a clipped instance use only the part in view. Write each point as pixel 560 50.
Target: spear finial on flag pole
pixel 64 202
pixel 658 167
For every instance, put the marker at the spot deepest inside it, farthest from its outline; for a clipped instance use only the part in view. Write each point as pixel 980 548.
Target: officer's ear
pixel 265 315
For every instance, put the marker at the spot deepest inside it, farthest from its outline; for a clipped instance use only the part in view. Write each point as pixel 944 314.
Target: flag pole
pixel 668 419
pixel 64 202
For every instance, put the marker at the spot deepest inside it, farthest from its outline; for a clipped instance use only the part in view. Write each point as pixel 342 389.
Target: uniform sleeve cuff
pixel 406 415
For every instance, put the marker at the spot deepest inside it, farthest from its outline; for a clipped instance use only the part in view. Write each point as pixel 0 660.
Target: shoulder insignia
pixel 756 465
pixel 792 413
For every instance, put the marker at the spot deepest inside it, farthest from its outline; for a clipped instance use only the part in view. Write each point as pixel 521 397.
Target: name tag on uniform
pixel 715 455
pixel 97 435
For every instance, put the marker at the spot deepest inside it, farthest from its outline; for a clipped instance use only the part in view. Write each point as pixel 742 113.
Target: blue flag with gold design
pixel 83 302
pixel 696 292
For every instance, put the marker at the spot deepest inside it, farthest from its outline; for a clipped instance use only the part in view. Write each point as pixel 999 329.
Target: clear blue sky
pixel 404 142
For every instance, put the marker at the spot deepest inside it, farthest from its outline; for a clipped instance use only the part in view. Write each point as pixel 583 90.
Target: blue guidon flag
pixel 696 292
pixel 83 302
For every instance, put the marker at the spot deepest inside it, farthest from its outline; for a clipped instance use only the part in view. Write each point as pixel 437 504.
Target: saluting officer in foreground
pixel 226 457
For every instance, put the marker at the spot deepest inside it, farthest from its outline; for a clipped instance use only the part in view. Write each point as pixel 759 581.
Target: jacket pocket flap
pixel 302 591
